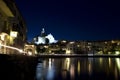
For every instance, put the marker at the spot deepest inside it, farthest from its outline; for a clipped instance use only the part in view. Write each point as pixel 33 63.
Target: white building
pixel 44 39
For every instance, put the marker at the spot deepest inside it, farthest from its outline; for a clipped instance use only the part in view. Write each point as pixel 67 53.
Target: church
pixel 44 39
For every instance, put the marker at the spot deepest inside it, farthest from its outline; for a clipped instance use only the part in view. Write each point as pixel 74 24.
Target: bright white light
pixel 13 34
pixel 30 53
pixel 20 51
pixel 117 52
pixel 2 36
pixel 68 51
pixel 118 63
pixel 51 38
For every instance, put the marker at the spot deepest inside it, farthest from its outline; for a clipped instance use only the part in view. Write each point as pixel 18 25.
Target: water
pixel 78 69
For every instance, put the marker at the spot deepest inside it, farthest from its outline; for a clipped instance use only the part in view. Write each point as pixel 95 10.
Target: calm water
pixel 60 69
pixel 78 69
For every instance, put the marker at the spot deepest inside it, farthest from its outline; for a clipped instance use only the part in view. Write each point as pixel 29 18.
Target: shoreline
pixel 34 57
pixel 76 55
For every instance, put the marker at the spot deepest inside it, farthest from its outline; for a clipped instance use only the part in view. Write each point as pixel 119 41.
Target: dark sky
pixel 72 19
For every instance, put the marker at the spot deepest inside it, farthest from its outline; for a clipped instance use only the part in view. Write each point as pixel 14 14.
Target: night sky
pixel 72 19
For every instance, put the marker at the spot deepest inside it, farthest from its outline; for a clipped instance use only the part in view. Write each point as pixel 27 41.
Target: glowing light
pixel 101 61
pixel 117 52
pixel 42 39
pixel 78 68
pixel 46 46
pixel 68 51
pixel 50 62
pixel 51 72
pixel 30 53
pixel 2 36
pixel 20 50
pixel 113 41
pixel 118 63
pixel 67 63
pixel 64 41
pixel 89 69
pixel 51 38
pixel 78 45
pixel 72 42
pixel 109 60
pixel 13 34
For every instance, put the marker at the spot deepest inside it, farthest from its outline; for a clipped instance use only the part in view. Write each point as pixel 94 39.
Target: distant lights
pixel 72 42
pixel 64 41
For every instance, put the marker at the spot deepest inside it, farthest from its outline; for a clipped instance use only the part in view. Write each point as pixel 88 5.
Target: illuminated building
pixel 12 25
pixel 44 39
pixel 30 49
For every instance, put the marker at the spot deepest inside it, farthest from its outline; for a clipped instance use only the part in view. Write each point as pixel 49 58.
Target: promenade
pixel 77 55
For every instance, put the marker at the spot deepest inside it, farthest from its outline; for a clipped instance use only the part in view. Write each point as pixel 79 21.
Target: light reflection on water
pixel 78 68
pixel 118 63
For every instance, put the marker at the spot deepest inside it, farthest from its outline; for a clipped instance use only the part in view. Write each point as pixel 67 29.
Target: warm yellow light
pixel 113 41
pixel 78 68
pixel 67 63
pixel 13 34
pixel 21 51
pixel 78 45
pixel 64 41
pixel 2 36
pixel 72 42
pixel 14 48
pixel 45 46
pixel 118 63
pixel 30 53
pixel 68 51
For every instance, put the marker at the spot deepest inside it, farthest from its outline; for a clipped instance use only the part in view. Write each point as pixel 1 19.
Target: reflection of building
pixel 44 39
pixel 11 24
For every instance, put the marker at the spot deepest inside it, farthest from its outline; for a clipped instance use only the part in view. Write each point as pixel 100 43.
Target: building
pixel 12 26
pixel 44 39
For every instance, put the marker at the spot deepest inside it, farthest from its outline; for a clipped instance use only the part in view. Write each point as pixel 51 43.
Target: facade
pixel 44 39
pixel 81 47
pixel 12 26
pixel 29 49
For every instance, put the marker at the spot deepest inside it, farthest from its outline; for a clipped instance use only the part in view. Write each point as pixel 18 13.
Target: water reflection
pixel 118 63
pixel 51 70
pixel 78 68
pixel 66 64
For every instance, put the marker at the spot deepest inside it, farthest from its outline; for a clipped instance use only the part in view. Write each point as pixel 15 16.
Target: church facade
pixel 44 39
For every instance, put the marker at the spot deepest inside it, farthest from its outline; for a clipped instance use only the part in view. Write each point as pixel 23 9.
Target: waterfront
pixel 78 68
pixel 16 67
